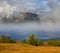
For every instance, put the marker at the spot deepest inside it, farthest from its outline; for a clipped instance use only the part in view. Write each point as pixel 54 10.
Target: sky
pixel 10 6
pixel 22 5
pixel 50 18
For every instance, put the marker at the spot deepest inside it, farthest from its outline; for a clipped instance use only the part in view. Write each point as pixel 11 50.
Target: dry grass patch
pixel 24 48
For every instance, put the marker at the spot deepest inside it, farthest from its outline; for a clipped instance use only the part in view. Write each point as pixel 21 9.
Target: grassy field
pixel 23 48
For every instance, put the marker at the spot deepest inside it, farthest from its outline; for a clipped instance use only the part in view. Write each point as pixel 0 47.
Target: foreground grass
pixel 23 48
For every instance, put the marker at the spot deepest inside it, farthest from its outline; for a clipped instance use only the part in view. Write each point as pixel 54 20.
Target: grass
pixel 24 48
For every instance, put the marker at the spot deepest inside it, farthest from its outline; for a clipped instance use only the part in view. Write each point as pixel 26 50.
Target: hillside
pixel 23 48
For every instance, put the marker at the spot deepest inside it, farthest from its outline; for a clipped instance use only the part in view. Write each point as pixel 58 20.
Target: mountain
pixel 23 17
pixel 31 17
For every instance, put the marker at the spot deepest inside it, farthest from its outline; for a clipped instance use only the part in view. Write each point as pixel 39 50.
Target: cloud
pixel 52 3
pixel 50 20
pixel 6 9
pixel 22 5
pixel 55 9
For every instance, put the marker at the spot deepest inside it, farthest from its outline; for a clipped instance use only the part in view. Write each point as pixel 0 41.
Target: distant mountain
pixel 31 17
pixel 22 18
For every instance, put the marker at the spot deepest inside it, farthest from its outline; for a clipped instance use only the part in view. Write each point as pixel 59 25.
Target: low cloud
pixel 50 20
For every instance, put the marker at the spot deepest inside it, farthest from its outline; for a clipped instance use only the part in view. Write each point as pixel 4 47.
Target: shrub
pixel 38 42
pixel 54 42
pixel 6 39
pixel 33 41
pixel 24 41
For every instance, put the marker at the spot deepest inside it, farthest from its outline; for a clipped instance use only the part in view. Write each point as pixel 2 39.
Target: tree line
pixel 36 42
pixel 31 40
pixel 6 39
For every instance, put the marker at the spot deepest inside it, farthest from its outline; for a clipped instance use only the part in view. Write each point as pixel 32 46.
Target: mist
pixel 49 17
